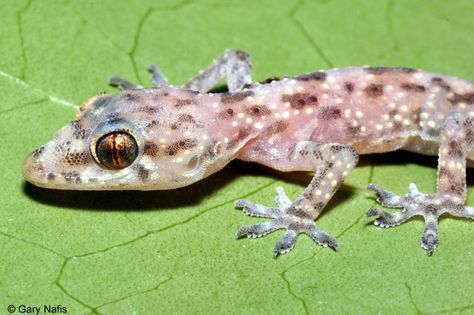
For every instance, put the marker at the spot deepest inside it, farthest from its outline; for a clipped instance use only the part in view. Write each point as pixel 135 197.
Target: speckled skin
pixel 314 122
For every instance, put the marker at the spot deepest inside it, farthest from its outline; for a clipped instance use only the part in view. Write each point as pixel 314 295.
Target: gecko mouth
pixel 37 171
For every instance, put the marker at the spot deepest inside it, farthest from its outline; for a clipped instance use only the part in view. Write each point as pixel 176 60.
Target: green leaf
pixel 175 252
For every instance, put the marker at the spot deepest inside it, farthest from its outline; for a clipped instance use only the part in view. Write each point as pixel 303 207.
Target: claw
pixel 324 239
pixel 385 219
pixel 429 241
pixel 256 210
pixel 372 213
pixel 386 198
pixel 285 244
pixel 257 230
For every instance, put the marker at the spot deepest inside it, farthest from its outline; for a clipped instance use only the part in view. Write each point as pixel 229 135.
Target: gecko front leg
pixel 332 163
pixel 456 141
pixel 233 65
pixel 125 85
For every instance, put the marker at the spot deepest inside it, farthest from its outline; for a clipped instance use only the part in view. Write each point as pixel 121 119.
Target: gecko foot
pixel 416 203
pixel 285 216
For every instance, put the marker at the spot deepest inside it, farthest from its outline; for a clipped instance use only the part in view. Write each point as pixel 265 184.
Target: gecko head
pixel 135 140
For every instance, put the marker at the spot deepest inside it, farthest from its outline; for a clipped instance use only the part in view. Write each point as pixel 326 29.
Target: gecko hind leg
pixel 451 193
pixel 414 203
pixel 332 163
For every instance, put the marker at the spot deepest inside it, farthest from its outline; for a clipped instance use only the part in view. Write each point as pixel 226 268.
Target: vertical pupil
pixel 116 150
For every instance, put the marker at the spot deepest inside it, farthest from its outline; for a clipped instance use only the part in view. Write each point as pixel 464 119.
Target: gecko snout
pixel 34 168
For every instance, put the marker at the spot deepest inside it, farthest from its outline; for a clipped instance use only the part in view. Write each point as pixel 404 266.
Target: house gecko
pixel 167 137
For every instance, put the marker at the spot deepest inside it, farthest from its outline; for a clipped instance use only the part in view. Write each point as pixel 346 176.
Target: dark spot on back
pixel 374 90
pixel 376 70
pixel 441 83
pixel 353 130
pixel 149 109
pixel 228 113
pixel 299 100
pixel 186 118
pixel 243 133
pixel 151 148
pixel 467 98
pixel 317 76
pixel 382 70
pixel 152 124
pixel 406 70
pixel 276 127
pixel 51 176
pixel 182 102
pixel 413 87
pixel 258 110
pixel 329 113
pixel 180 145
pixel 229 97
pixel 132 97
pixel 349 86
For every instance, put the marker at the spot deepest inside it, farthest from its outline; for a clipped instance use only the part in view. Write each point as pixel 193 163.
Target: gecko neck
pixel 237 119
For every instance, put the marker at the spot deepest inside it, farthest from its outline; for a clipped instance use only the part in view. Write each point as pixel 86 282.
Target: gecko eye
pixel 116 150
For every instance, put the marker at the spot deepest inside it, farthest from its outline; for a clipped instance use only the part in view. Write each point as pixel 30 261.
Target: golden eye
pixel 116 150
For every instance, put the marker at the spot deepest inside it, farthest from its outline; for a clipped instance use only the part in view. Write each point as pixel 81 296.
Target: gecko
pixel 166 137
